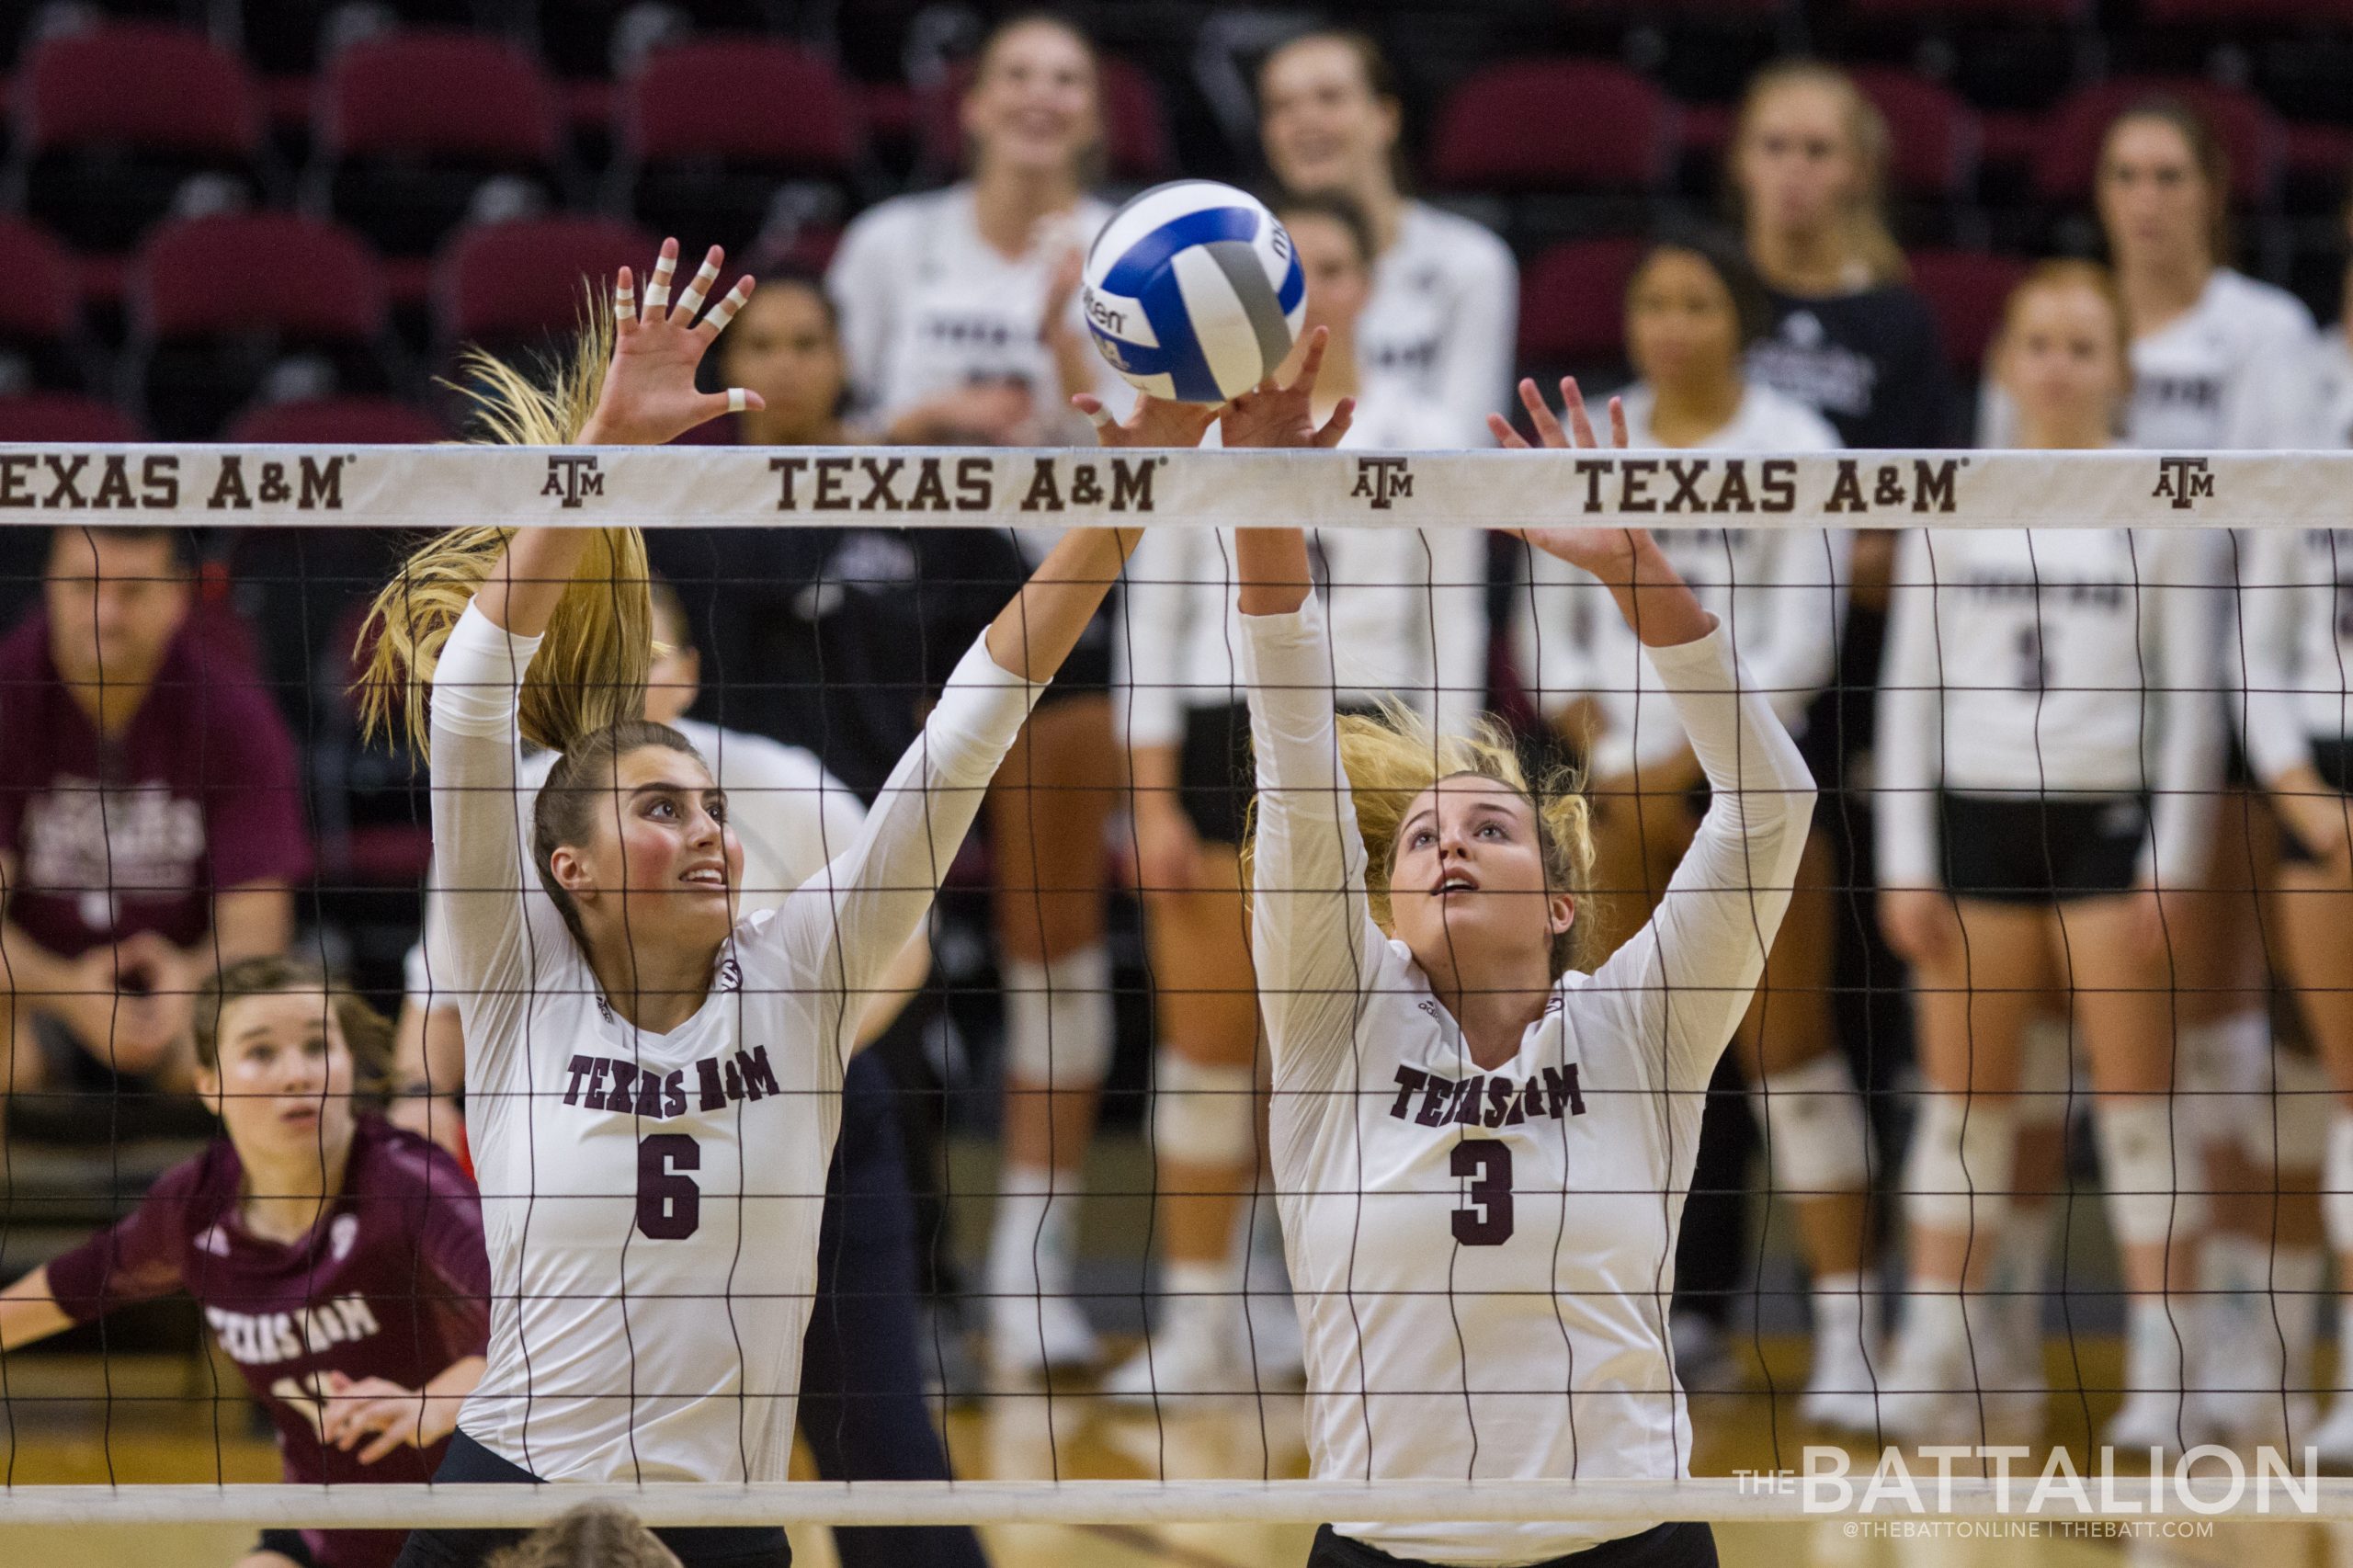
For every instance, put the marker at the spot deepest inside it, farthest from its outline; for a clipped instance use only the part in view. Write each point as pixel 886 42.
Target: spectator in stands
pixel 150 824
pixel 958 310
pixel 1444 313
pixel 2336 356
pixel 1693 310
pixel 1411 612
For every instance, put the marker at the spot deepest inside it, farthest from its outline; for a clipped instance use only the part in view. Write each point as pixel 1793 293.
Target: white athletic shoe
pixel 1926 1394
pixel 2334 1436
pixel 1196 1350
pixel 1842 1391
pixel 1030 1337
pixel 2016 1389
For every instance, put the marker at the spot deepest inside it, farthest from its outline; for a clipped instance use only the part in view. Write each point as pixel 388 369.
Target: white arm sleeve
pixel 482 870
pixel 846 925
pixel 2284 584
pixel 1311 933
pixel 1907 756
pixel 2188 601
pixel 1686 979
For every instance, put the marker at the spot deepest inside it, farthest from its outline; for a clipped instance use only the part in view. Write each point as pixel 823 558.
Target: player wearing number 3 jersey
pixel 1482 1153
pixel 653 1083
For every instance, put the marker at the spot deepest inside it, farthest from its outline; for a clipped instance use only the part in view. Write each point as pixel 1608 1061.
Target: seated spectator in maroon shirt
pixel 152 826
pixel 338 1259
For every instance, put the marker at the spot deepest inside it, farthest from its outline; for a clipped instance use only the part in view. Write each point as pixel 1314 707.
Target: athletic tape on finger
pixel 734 400
pixel 625 298
pixel 725 312
pixel 699 289
pixel 657 292
pixel 1101 418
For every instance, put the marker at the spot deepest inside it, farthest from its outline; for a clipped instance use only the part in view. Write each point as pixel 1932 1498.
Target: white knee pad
pixel 2221 1080
pixel 1816 1129
pixel 2047 1071
pixel 1058 1025
pixel 2141 1150
pixel 2290 1131
pixel 1204 1116
pixel 2337 1183
pixel 1960 1169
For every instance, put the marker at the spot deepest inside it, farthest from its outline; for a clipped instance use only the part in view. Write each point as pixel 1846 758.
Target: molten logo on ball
pixel 1193 292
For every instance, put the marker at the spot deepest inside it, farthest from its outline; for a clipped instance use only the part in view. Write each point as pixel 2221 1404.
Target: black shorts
pixel 754 1546
pixel 1216 770
pixel 2041 849
pixel 289 1545
pixel 1661 1546
pixel 2333 760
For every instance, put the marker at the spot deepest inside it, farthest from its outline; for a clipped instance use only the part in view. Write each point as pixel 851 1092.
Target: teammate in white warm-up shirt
pixel 2049 746
pixel 1482 1153
pixel 654 1078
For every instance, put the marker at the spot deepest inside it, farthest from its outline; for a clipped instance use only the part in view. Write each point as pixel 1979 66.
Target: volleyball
pixel 1193 292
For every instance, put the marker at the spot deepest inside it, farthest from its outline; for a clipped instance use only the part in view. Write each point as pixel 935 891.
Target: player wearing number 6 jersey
pixel 1483 1153
pixel 654 1084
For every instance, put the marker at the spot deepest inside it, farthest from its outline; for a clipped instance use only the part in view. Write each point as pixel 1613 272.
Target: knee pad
pixel 2047 1072
pixel 1058 1028
pixel 1815 1131
pixel 2140 1148
pixel 2337 1183
pixel 2221 1080
pixel 2289 1131
pixel 1959 1173
pixel 1204 1116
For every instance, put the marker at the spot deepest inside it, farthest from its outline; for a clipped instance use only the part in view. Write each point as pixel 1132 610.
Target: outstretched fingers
pixel 1581 421
pixel 625 302
pixel 1539 415
pixel 1619 435
pixel 1311 364
pixel 1336 429
pixel 1506 436
pixel 729 303
pixel 698 288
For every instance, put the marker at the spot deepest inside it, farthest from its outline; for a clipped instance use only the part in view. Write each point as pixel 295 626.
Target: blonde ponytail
pixel 1394 756
pixel 592 669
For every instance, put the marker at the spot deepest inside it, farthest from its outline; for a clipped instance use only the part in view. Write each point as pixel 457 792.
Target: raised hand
pixel 1605 552
pixel 1272 415
pixel 1154 421
pixel 649 395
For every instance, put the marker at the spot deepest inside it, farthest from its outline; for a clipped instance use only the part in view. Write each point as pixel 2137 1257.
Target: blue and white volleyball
pixel 1193 292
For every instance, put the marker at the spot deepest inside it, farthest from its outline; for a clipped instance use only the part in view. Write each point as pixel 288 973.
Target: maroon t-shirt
pixel 392 1282
pixel 200 793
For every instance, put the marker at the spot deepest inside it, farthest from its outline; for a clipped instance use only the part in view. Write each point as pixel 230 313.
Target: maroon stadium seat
pixel 1966 289
pixel 709 126
pixel 64 416
pixel 2069 154
pixel 1933 134
pixel 499 282
pixel 1972 12
pixel 1135 123
pixel 112 120
pixel 41 310
pixel 219 303
pixel 410 123
pixel 2245 13
pixel 1573 301
pixel 1555 124
pixel 337 421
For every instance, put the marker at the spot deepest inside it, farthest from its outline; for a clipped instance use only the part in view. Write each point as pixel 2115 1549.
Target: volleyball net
pixel 1840 1145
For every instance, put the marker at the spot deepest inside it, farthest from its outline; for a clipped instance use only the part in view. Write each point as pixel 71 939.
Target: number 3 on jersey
pixel 669 1204
pixel 1486 1220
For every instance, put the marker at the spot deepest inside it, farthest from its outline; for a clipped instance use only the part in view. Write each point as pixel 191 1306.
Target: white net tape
pixel 451 486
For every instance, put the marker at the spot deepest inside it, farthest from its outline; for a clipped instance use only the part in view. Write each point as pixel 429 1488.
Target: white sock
pixel 2296 1280
pixel 1845 1314
pixel 1935 1345
pixel 1033 1240
pixel 2021 1266
pixel 1205 1293
pixel 2154 1347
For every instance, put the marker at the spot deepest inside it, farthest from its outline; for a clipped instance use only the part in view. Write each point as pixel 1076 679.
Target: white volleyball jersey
pixel 2234 372
pixel 2295 645
pixel 927 305
pixel 1780 593
pixel 1483 1260
pixel 1408 608
pixel 2334 398
pixel 1442 322
pixel 650 1203
pixel 2072 662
